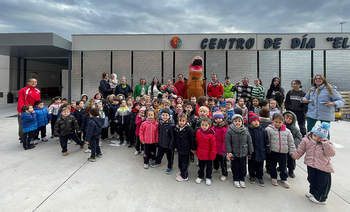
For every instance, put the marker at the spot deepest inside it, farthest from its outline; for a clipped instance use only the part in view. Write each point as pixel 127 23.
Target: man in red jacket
pixel 27 96
pixel 181 87
pixel 215 88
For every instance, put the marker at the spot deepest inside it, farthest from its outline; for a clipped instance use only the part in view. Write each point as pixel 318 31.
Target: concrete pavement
pixel 42 179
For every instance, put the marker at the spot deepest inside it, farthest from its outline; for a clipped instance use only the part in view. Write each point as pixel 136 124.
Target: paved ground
pixel 43 180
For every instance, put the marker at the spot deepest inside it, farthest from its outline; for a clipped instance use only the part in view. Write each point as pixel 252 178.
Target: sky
pixel 67 17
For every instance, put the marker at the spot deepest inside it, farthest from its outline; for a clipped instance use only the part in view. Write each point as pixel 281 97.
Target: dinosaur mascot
pixel 195 79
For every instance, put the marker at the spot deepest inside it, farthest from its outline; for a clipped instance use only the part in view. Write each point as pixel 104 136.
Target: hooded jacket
pixel 293 129
pixel 317 108
pixel 166 135
pixel 122 115
pixel 42 116
pixel 149 132
pixel 184 140
pixel 260 141
pixel 28 121
pixel 66 126
pixel 317 154
pixel 94 129
pixel 206 144
pixel 220 132
pixel 239 144
pixel 281 140
pixel 79 115
pixel 264 122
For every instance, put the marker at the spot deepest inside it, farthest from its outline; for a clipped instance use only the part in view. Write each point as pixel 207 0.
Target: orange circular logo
pixel 175 42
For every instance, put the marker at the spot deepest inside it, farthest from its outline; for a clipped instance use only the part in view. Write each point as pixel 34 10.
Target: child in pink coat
pixel 317 158
pixel 139 119
pixel 149 137
pixel 220 127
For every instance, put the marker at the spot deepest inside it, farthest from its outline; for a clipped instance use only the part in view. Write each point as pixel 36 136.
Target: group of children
pixel 214 130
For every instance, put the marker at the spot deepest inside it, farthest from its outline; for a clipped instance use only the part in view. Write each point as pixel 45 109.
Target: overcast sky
pixel 67 17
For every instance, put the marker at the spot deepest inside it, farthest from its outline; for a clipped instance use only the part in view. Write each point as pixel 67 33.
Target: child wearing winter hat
pixel 317 158
pixel 238 143
pixel 220 127
pixel 261 145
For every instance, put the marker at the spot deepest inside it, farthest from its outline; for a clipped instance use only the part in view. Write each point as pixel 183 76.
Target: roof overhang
pixel 43 47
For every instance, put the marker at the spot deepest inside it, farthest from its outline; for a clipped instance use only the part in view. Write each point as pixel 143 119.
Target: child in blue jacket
pixel 94 129
pixel 29 125
pixel 42 119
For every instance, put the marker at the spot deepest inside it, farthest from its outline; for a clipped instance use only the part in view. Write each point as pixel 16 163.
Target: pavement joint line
pixel 331 189
pixel 60 186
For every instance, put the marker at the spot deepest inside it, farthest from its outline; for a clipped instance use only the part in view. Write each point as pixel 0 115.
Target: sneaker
pixel 192 158
pixel 261 182
pixel 229 170
pixel 142 152
pixel 208 182
pixel 99 155
pixel 285 183
pixel 44 139
pixel 252 180
pixel 216 170
pixel 34 142
pixel 291 174
pixel 145 166
pixel 127 143
pixel 92 159
pixel 88 151
pixel 223 178
pixel 198 180
pixel 274 182
pixel 312 199
pixel 69 141
pixel 154 165
pixel 180 179
pixel 100 143
pixel 168 171
pixel 236 183
pixel 121 143
pixel 242 183
pixel 178 174
pixel 30 147
pixel 308 195
pixel 52 136
pixel 130 145
pixel 64 153
pixel 137 152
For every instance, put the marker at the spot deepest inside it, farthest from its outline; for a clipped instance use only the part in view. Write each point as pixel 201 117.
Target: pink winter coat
pixel 220 139
pixel 138 123
pixel 149 132
pixel 317 155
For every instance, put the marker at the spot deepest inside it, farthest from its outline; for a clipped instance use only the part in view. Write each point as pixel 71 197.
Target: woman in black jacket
pixel 276 92
pixel 105 88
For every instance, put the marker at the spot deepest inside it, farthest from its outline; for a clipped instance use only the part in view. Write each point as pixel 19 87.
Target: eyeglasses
pixel 318 78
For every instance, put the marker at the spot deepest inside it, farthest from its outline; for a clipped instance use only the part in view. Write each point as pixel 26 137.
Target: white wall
pixel 5 76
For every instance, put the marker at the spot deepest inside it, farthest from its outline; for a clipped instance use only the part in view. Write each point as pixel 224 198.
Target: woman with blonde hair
pixel 322 98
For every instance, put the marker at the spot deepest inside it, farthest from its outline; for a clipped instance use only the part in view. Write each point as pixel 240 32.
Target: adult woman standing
pixel 141 88
pixel 276 92
pixel 258 90
pixel 123 88
pixel 321 98
pixel 105 88
pixel 152 88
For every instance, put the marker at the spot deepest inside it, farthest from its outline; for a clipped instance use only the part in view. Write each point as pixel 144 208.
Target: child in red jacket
pixel 206 150
pixel 149 137
pixel 220 127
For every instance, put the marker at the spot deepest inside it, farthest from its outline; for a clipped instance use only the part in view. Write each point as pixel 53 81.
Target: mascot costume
pixel 195 79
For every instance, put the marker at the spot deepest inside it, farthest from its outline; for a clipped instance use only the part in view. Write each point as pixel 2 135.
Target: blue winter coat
pixel 166 135
pixel 28 121
pixel 261 143
pixel 86 120
pixel 42 116
pixel 79 114
pixel 317 108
